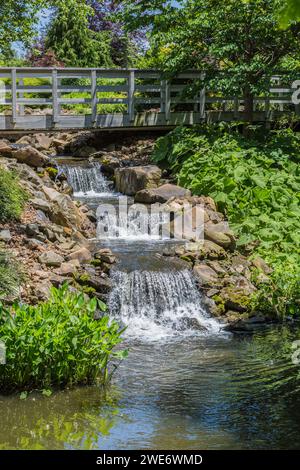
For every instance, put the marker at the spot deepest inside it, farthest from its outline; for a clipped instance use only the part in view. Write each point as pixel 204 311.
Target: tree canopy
pixel 240 39
pixel 17 21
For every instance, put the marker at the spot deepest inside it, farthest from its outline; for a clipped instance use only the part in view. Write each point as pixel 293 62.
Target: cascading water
pixel 133 225
pixel 87 180
pixel 159 304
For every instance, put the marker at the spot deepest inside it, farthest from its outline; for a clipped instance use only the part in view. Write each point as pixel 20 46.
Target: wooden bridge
pixel 75 98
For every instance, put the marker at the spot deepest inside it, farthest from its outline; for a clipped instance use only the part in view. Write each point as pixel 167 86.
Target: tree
pixel 124 46
pixel 17 21
pixel 70 38
pixel 239 43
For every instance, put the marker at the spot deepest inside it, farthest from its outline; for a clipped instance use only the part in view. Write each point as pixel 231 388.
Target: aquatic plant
pixel 57 343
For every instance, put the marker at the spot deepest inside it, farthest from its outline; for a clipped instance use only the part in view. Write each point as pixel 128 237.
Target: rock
pixel 30 156
pixel 69 268
pixel 84 151
pixel 204 249
pixel 235 298
pixel 220 234
pixel 42 290
pixel 133 179
pixel 5 149
pixel 5 236
pixel 205 275
pixel 64 211
pixel 102 285
pixel 35 244
pixel 105 255
pixel 27 173
pixel 109 164
pixel 41 204
pixel 161 194
pixel 50 258
pixel 260 264
pixel 32 230
pixel 49 234
pixel 83 255
pixel 42 141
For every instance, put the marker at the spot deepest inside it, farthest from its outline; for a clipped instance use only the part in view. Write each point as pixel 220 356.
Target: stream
pixel 186 384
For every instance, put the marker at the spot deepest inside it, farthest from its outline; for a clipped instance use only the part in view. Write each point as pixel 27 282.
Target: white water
pixel 133 225
pixel 87 181
pixel 157 304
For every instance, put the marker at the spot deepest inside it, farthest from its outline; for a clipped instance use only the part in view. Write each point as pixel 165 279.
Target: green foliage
pixel 57 343
pixel 257 184
pixel 71 39
pixel 12 196
pixel 17 21
pixel 238 42
pixel 10 276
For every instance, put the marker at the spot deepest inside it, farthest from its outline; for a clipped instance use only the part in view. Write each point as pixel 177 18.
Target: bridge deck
pixel 70 98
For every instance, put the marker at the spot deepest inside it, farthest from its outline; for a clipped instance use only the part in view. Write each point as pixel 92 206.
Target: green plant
pixel 57 343
pixel 10 276
pixel 257 184
pixel 12 196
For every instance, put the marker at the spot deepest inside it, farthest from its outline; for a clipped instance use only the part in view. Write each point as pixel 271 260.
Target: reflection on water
pixel 208 393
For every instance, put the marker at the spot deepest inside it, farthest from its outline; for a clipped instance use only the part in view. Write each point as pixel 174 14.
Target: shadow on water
pixel 234 392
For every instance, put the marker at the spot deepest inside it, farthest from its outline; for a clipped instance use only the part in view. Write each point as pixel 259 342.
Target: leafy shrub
pixel 12 196
pixel 257 184
pixel 57 343
pixel 10 276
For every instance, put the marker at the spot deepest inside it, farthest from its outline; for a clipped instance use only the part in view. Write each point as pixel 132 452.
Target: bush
pixel 257 184
pixel 12 196
pixel 10 276
pixel 57 343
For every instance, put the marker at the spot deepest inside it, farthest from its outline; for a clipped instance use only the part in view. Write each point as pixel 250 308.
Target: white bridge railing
pixel 71 98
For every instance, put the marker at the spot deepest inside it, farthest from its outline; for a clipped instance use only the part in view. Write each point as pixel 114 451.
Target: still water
pixel 210 392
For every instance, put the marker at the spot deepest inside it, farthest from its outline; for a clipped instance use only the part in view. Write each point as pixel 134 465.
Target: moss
pixel 96 263
pixel 52 172
pixel 81 278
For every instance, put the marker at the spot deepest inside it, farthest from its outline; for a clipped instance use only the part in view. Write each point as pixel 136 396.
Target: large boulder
pixel 43 141
pixel 5 149
pixel 63 210
pixel 83 255
pixel 30 156
pixel 133 179
pixel 205 275
pixel 161 194
pixel 51 259
pixel 220 234
pixel 203 249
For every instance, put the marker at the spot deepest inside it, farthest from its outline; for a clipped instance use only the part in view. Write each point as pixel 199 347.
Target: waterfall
pixel 158 304
pixel 87 180
pixel 133 225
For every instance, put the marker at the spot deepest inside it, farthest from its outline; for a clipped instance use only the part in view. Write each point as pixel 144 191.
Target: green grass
pixel 12 196
pixel 10 276
pixel 57 343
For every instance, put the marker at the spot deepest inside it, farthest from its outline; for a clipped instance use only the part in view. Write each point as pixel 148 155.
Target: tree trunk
pixel 248 110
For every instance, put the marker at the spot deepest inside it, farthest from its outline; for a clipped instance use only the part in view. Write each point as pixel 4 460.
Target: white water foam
pixel 157 305
pixel 87 181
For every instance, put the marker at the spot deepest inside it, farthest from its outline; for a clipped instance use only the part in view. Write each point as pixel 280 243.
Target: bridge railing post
pixel 14 110
pixel 167 100
pixel 94 100
pixel 131 90
pixel 54 97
